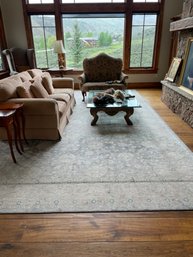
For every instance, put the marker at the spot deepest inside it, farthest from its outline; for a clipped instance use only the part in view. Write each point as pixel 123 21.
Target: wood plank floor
pixel 124 234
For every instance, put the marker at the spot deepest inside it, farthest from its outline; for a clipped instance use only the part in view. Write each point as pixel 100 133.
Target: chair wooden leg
pixel 83 95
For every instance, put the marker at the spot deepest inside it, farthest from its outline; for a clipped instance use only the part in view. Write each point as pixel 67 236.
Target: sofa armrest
pixel 63 83
pixel 123 77
pixel 38 106
pixel 82 78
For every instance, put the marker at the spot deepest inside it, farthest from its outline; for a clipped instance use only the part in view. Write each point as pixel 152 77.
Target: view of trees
pixel 77 46
pixel 94 38
pixel 86 37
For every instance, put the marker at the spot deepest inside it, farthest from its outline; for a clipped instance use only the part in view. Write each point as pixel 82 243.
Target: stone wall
pixel 187 9
pixel 176 98
pixel 185 33
pixel 179 101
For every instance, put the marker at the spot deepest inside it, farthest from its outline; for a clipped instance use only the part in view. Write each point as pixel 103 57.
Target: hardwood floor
pixel 124 234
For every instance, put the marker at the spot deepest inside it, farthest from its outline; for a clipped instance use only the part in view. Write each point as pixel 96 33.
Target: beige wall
pixel 15 33
pixel 14 23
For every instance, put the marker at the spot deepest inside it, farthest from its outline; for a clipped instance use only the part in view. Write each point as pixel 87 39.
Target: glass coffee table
pixel 126 106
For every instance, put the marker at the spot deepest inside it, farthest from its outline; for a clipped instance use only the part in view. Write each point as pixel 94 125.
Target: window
pixel 40 1
pixel 143 40
pixel 92 1
pixel 145 1
pixel 1 63
pixel 86 36
pixel 121 28
pixel 44 36
pixel 3 43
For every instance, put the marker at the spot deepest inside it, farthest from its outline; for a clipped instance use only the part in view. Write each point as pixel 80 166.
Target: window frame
pixel 3 43
pixel 44 27
pixel 128 8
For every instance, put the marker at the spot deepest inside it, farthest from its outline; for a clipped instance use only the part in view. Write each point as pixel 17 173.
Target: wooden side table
pixel 7 119
pixel 19 119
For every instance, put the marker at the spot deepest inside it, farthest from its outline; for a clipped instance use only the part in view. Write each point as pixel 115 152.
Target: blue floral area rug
pixel 107 167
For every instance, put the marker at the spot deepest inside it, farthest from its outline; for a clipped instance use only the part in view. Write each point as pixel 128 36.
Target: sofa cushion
pixel 24 91
pixel 47 82
pixel 8 88
pixel 35 72
pixel 61 107
pixel 61 97
pixel 38 90
pixel 25 76
pixel 68 91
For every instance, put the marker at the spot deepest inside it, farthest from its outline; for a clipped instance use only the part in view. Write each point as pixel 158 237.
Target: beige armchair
pixel 102 72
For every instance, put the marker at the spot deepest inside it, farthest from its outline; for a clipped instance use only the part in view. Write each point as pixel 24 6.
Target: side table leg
pixel 23 127
pixel 93 112
pixel 16 133
pixel 17 121
pixel 9 137
pixel 129 112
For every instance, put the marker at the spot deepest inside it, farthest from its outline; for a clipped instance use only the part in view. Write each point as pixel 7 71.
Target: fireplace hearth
pixel 180 99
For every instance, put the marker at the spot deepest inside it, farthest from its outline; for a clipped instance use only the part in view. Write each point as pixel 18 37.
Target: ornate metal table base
pixel 111 111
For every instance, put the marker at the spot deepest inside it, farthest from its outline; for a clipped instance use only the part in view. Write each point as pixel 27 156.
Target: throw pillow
pixel 38 90
pixel 47 82
pixel 25 76
pixel 35 72
pixel 24 91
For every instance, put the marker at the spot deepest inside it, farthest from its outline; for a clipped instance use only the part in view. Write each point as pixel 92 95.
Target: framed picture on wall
pixel 186 77
pixel 173 70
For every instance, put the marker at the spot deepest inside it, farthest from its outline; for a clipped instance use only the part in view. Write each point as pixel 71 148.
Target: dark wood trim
pixel 158 37
pixel 94 8
pixel 28 27
pixel 127 8
pixel 3 42
pixel 4 74
pixel 2 34
pixel 145 7
pixel 141 70
pixel 127 39
pixel 39 8
pixel 58 19
pixel 157 44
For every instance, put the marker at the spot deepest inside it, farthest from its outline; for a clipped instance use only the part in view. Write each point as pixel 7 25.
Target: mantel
pixel 182 24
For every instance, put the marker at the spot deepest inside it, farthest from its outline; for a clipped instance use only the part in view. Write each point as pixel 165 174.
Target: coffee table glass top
pixel 130 102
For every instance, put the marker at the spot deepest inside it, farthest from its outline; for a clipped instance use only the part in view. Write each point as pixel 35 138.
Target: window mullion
pixel 142 45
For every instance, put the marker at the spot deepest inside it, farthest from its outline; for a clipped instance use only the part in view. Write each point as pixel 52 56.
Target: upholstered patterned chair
pixel 102 72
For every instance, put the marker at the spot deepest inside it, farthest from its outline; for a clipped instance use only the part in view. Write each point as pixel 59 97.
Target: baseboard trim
pixel 144 85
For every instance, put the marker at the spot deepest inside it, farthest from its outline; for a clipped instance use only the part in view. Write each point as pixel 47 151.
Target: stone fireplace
pixel 179 99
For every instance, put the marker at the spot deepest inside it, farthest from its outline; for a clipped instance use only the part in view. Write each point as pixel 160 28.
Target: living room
pixel 111 189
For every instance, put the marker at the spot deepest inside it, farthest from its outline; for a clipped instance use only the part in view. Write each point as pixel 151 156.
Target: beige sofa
pixel 48 102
